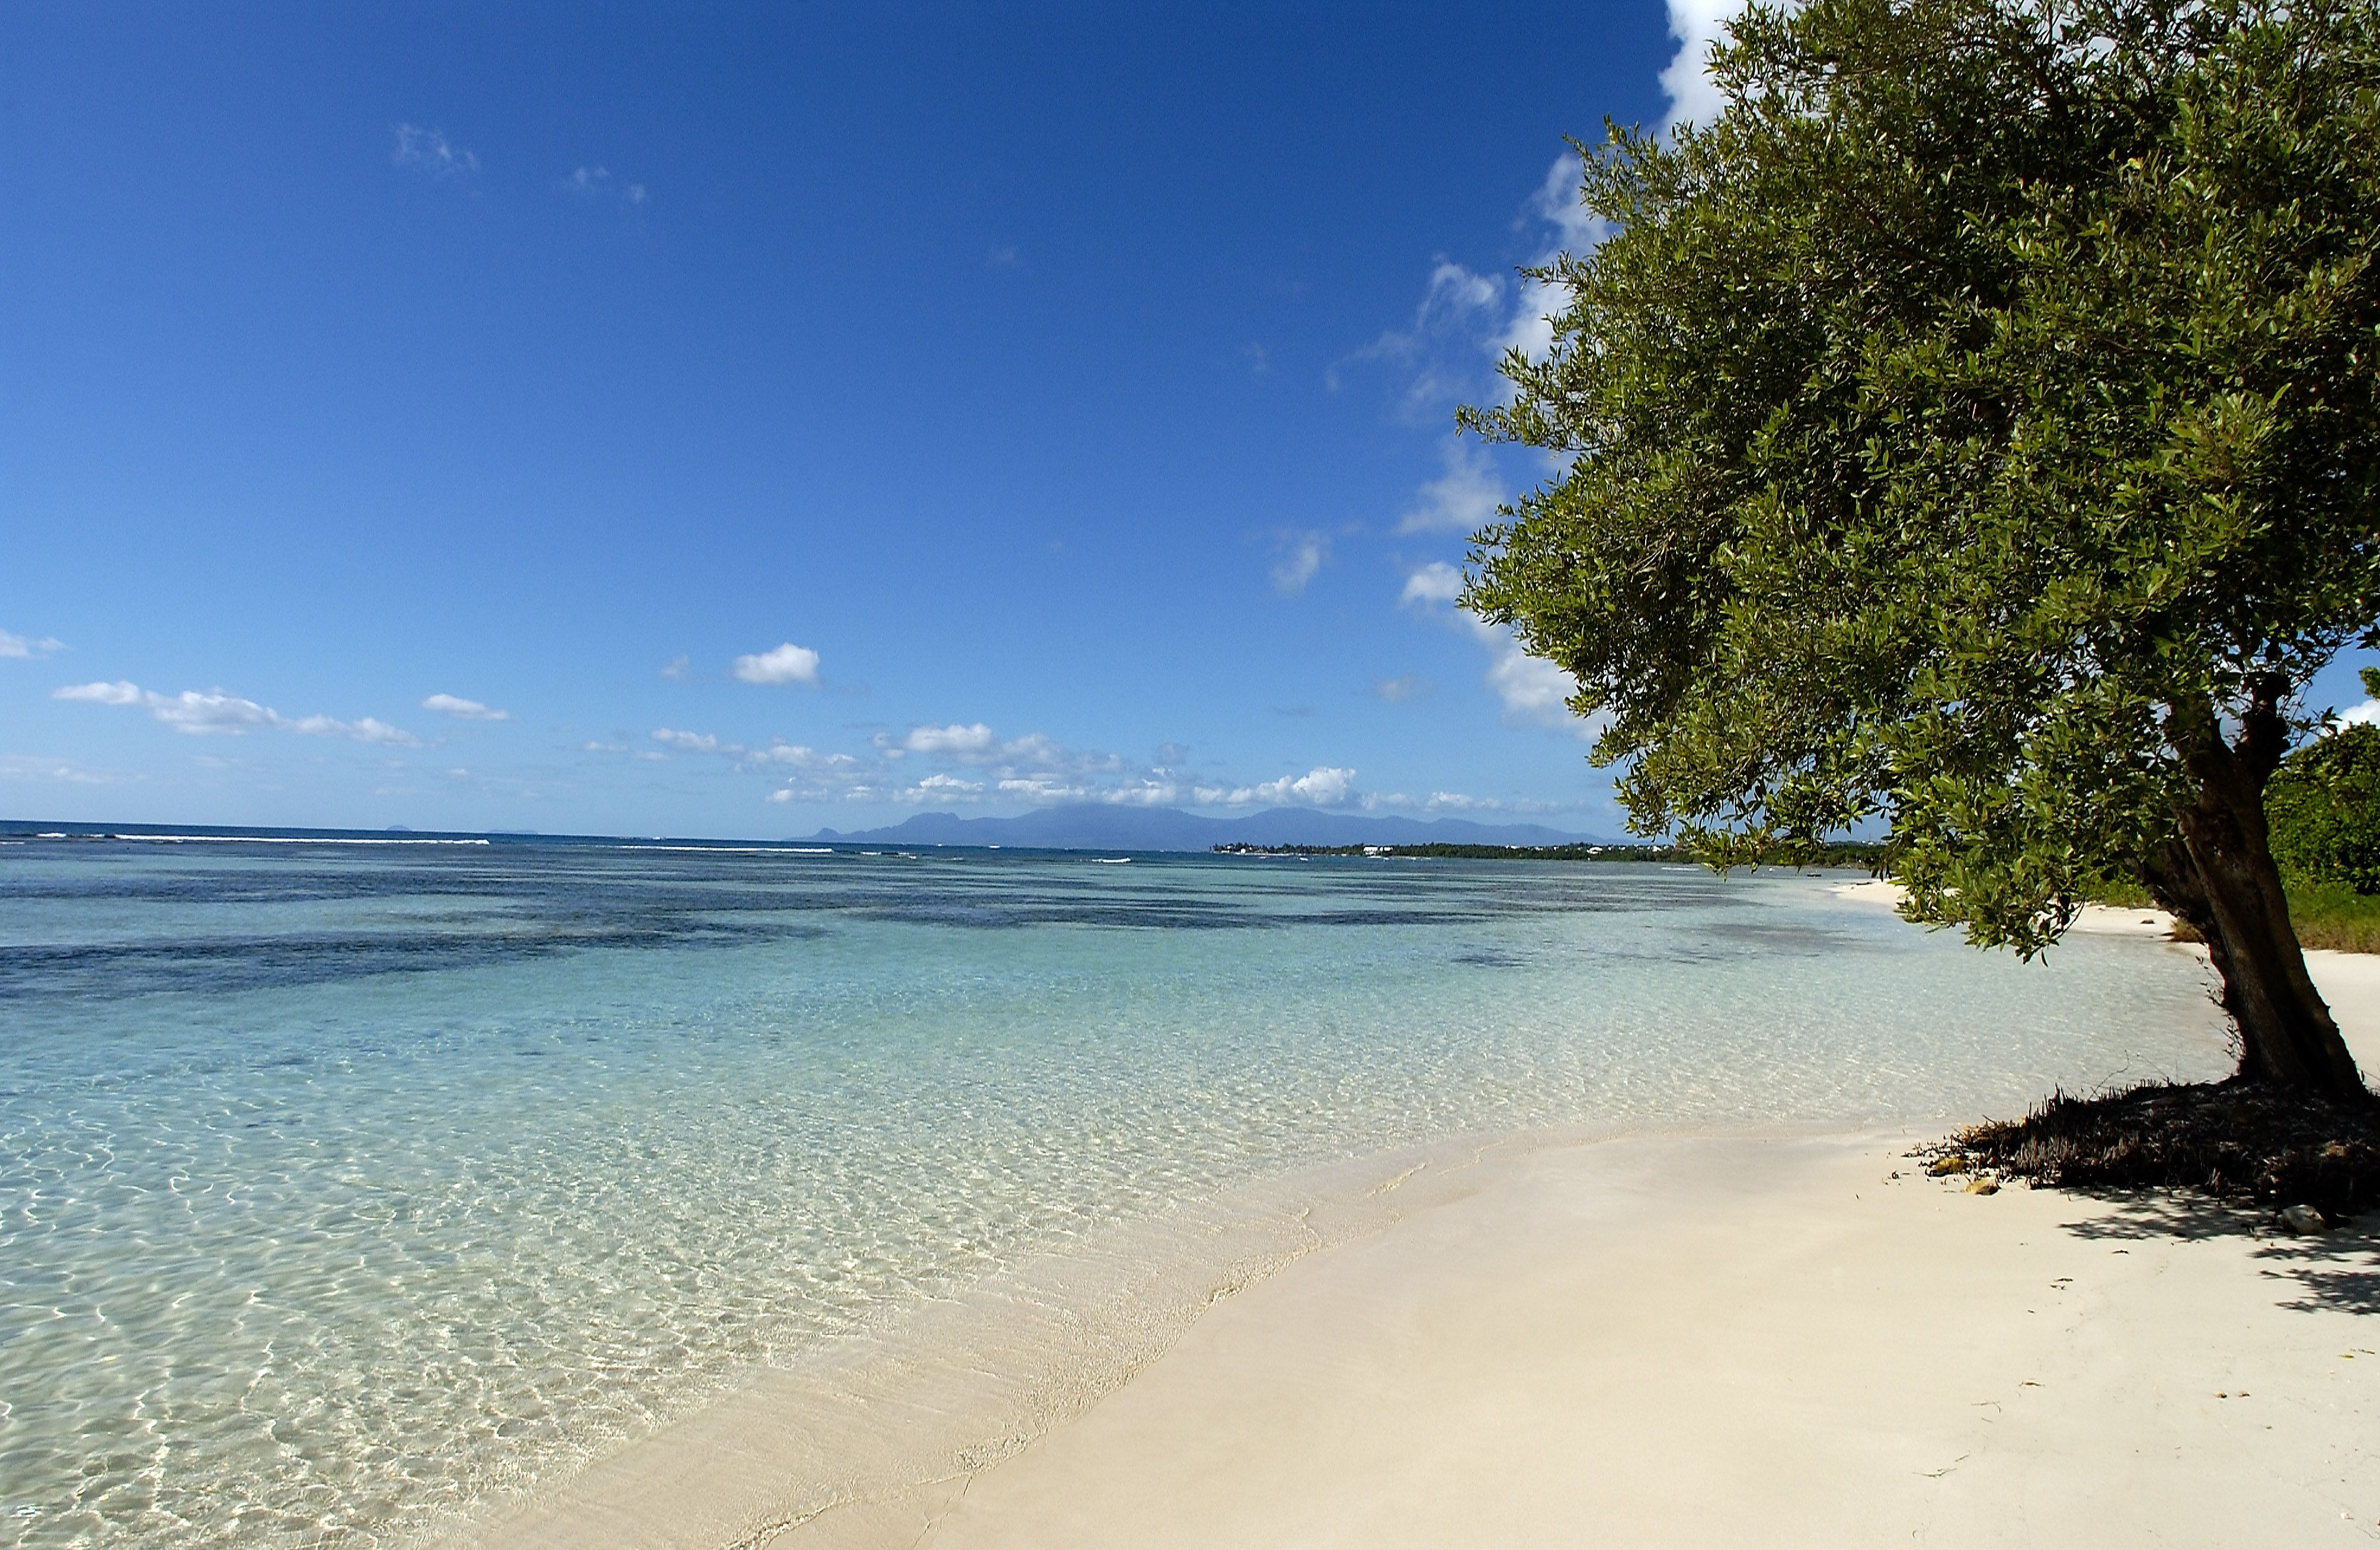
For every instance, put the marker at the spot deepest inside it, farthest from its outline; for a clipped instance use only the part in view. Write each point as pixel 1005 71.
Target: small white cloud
pixel 1004 256
pixel 365 730
pixel 1463 499
pixel 787 664
pixel 692 742
pixel 1396 691
pixel 1300 556
pixel 1436 582
pixel 954 740
pixel 464 709
pixel 783 793
pixel 675 667
pixel 18 646
pixel 2366 714
pixel 596 182
pixel 431 150
pixel 117 693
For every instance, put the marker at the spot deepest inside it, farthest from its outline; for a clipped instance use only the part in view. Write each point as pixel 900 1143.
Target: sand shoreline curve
pixel 1652 1339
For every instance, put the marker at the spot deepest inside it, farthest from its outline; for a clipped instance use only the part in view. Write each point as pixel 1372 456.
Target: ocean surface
pixel 343 1184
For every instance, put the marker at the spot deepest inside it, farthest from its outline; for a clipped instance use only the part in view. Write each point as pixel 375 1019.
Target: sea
pixel 348 1185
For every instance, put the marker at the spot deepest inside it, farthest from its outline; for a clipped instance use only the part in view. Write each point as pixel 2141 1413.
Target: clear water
pixel 340 1186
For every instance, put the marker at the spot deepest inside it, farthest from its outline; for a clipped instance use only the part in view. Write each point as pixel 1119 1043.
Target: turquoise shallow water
pixel 341 1185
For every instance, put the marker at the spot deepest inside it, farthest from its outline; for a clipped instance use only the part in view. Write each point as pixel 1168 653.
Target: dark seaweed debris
pixel 2235 1141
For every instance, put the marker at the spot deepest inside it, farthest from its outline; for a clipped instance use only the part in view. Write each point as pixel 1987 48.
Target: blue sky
pixel 736 420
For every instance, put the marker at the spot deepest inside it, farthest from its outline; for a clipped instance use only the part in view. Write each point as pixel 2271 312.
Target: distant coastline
pixel 1083 827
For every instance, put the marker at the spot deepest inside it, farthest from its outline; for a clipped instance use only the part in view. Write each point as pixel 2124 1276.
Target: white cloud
pixel 2366 714
pixel 1436 582
pixel 1301 555
pixel 1532 690
pixel 18 646
pixel 365 730
pixel 1696 24
pixel 787 664
pixel 1463 499
pixel 216 713
pixel 1324 786
pixel 960 742
pixel 1460 311
pixel 117 693
pixel 675 667
pixel 431 151
pixel 1557 203
pixel 464 709
pixel 1396 691
pixel 692 742
pixel 800 758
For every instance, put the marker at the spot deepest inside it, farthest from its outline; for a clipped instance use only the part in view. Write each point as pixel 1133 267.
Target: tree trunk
pixel 2218 875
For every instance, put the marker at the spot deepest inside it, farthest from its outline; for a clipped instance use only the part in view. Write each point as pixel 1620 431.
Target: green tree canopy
pixel 1977 426
pixel 2323 807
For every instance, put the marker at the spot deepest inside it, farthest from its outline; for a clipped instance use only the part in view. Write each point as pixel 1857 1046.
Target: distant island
pixel 1438 851
pixel 1103 826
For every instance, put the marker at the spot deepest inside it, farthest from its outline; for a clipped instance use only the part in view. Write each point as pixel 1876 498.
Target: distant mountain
pixel 1103 826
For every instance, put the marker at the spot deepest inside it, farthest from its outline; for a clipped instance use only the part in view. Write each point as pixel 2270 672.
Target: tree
pixel 2323 807
pixel 1976 427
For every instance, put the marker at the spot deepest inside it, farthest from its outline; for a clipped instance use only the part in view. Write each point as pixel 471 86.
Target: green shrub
pixel 2324 809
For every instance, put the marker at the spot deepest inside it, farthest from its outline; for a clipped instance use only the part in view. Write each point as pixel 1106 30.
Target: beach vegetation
pixel 1973 433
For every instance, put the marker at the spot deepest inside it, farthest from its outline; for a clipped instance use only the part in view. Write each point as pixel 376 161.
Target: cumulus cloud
pixel 18 646
pixel 787 664
pixel 431 151
pixel 215 713
pixel 675 667
pixel 1696 24
pixel 464 709
pixel 1299 556
pixel 1463 500
pixel 1324 786
pixel 1436 582
pixel 2366 714
pixel 979 767
pixel 1396 691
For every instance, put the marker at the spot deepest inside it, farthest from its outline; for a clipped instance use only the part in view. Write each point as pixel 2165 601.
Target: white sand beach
pixel 1661 1340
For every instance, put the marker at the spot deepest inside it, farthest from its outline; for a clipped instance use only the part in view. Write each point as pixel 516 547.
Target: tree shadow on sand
pixel 2339 1269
